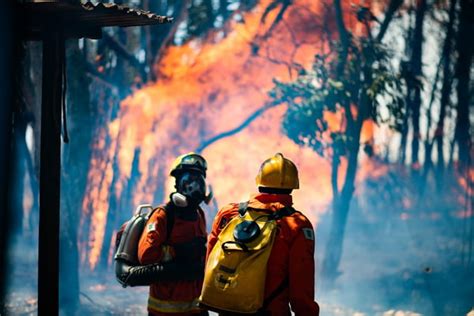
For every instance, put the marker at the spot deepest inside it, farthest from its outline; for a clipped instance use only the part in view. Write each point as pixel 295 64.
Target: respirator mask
pixel 190 190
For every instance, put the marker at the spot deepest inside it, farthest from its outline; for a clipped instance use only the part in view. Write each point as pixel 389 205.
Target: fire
pixel 207 87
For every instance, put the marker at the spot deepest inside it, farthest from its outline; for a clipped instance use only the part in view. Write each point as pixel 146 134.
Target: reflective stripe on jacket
pixel 291 259
pixel 170 296
pixel 162 306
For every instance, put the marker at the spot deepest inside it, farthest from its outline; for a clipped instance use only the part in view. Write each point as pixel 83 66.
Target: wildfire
pixel 207 87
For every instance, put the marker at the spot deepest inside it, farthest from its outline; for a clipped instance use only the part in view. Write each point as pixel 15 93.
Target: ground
pixel 395 263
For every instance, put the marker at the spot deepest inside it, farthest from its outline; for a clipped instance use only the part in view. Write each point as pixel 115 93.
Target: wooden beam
pixel 48 256
pixel 71 31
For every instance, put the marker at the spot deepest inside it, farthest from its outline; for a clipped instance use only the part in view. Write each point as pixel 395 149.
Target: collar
pixel 270 201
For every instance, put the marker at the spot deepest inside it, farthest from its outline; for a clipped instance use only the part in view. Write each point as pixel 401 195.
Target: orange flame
pixel 207 87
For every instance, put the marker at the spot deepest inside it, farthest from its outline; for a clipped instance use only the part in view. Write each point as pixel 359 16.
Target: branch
pixel 269 9
pixel 285 4
pixel 343 36
pixel 122 51
pixel 180 13
pixel 392 8
pixel 239 128
pixel 92 71
pixel 334 175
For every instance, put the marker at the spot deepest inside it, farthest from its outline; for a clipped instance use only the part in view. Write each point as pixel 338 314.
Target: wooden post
pixel 48 256
pixel 8 62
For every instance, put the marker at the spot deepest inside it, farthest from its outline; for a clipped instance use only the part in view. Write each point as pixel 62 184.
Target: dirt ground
pixel 394 263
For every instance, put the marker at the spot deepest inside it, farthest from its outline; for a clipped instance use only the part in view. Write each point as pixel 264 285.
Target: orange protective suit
pixel 291 260
pixel 171 297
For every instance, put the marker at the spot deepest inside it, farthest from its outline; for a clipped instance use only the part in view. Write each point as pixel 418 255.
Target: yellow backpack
pixel 236 269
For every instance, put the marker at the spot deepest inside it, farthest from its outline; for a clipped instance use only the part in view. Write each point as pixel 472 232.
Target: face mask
pixel 193 186
pixel 181 201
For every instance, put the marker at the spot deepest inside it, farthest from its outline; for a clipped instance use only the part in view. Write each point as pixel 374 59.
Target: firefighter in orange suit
pixel 290 268
pixel 175 236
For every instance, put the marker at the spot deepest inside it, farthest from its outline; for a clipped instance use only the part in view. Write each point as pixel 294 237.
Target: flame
pixel 207 87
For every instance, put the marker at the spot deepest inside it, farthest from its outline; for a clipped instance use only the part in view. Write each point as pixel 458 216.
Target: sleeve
pixel 153 236
pixel 301 266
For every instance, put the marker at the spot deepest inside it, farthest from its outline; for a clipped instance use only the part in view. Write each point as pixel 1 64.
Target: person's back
pixel 290 267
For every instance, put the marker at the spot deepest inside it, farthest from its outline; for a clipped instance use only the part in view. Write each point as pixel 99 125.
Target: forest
pixel 372 99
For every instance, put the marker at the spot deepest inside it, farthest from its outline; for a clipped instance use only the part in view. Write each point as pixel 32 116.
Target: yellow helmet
pixel 189 161
pixel 279 173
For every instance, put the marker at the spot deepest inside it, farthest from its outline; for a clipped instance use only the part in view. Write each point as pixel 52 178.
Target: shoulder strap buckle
pixel 243 207
pixel 285 211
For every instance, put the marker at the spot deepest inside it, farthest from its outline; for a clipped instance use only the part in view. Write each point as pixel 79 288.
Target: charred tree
pixel 407 75
pixel 464 49
pixel 114 203
pixel 163 37
pixel 415 86
pixel 19 170
pixel 223 11
pixel 18 151
pixel 429 142
pixel 446 90
pixel 76 157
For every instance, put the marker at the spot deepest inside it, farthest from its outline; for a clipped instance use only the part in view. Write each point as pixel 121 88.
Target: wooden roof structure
pixel 82 19
pixel 52 22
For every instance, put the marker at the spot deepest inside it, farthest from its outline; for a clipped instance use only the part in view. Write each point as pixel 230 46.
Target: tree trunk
pixel 341 202
pixel 223 12
pixel 404 69
pixel 404 135
pixel 416 69
pixel 428 140
pixel 445 93
pixel 110 223
pixel 164 35
pixel 463 72
pixel 23 115
pixel 76 158
pixel 20 153
pixel 127 204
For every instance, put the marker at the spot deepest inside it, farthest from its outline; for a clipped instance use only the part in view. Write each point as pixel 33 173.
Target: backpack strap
pixel 283 212
pixel 201 213
pixel 243 208
pixel 169 220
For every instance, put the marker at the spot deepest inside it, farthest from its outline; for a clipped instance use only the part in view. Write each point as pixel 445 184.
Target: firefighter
pixel 290 267
pixel 176 234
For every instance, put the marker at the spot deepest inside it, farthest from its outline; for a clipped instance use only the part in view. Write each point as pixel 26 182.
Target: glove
pixel 128 275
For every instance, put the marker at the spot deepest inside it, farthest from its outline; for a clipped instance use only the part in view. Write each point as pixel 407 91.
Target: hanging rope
pixel 63 99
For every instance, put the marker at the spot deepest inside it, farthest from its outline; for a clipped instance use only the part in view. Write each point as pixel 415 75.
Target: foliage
pixel 368 76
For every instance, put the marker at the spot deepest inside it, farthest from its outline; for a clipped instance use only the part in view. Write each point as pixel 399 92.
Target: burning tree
pixel 357 83
pixel 355 79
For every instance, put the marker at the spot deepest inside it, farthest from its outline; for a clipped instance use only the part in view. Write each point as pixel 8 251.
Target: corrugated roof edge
pixel 122 8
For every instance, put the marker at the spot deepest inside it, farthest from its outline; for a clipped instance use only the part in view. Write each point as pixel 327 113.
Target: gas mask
pixel 191 189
